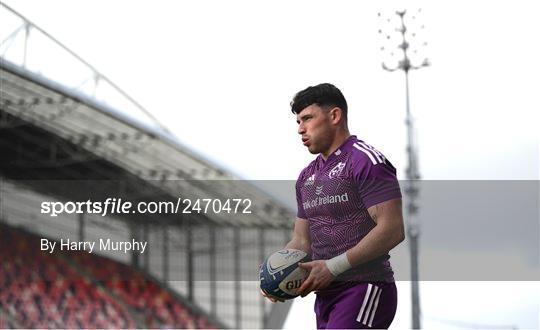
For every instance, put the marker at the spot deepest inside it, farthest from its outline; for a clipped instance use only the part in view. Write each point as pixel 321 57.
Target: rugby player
pixel 349 217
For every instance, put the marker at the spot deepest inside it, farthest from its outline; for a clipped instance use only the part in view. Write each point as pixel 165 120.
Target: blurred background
pixel 152 100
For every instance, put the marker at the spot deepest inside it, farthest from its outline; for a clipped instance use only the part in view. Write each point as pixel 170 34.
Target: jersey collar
pixel 345 146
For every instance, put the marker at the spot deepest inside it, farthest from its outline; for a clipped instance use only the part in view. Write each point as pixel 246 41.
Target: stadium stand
pixel 43 290
pixel 63 142
pixel 158 306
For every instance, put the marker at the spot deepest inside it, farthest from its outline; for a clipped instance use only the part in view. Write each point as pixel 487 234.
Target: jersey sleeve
pixel 377 181
pixel 299 183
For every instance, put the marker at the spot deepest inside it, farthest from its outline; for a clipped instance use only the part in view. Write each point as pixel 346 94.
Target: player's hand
pixel 271 298
pixel 319 277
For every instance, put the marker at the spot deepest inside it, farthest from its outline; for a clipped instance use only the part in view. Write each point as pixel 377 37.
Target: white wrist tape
pixel 339 264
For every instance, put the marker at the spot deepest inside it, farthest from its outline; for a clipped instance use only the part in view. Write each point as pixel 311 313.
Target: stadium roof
pixel 46 124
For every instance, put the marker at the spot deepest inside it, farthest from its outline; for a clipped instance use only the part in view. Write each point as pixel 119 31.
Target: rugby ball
pixel 280 275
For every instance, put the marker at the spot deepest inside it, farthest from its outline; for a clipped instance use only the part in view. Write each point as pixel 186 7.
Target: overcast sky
pixel 220 75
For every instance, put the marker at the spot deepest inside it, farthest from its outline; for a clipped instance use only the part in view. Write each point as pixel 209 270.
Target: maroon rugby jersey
pixel 334 196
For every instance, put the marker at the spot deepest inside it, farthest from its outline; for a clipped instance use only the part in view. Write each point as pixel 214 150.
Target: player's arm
pixel 301 239
pixel 388 232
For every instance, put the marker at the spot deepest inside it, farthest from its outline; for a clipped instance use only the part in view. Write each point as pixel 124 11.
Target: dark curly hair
pixel 324 95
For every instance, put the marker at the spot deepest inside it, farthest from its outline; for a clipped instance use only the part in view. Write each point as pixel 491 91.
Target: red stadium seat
pixel 81 290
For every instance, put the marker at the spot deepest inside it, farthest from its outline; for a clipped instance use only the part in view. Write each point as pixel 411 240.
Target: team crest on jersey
pixel 336 171
pixel 310 181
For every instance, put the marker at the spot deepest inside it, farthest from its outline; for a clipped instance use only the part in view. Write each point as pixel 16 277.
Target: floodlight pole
pixel 412 174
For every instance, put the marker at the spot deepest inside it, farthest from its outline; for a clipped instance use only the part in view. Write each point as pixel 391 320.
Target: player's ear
pixel 335 115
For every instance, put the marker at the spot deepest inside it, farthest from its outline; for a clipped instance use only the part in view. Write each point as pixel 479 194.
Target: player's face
pixel 315 127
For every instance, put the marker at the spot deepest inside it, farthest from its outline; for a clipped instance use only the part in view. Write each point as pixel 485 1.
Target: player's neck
pixel 340 138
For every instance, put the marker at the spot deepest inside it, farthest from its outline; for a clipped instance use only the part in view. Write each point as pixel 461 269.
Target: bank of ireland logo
pixel 336 170
pixel 318 190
